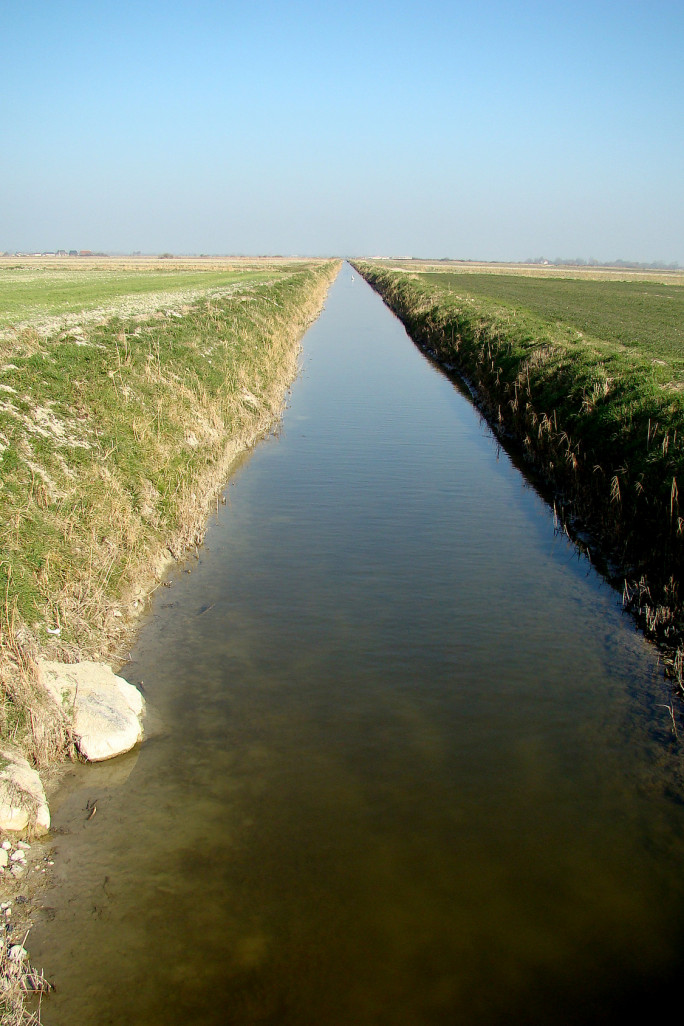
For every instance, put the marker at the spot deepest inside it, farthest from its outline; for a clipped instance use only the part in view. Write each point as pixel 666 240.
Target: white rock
pixel 17 953
pixel 22 798
pixel 17 856
pixel 4 858
pixel 6 845
pixel 18 869
pixel 105 711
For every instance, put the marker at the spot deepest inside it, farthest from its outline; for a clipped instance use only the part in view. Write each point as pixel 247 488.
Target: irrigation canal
pixel 411 763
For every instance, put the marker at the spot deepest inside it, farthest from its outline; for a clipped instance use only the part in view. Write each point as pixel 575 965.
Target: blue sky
pixel 487 130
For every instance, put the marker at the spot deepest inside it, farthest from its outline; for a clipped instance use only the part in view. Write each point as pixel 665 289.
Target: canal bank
pixel 597 422
pixel 412 766
pixel 139 422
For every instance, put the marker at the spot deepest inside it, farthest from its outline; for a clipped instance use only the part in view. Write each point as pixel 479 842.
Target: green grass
pixel 28 293
pixel 636 314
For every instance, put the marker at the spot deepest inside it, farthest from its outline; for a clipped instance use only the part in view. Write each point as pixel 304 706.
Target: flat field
pixel 46 294
pixel 620 322
pixel 635 313
pixel 581 272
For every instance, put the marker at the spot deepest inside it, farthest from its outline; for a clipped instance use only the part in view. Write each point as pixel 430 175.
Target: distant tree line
pixel 655 265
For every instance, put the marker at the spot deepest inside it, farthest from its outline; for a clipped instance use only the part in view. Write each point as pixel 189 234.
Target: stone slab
pixel 23 805
pixel 105 711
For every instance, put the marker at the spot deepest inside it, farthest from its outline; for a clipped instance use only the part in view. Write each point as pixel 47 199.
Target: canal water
pixel 408 761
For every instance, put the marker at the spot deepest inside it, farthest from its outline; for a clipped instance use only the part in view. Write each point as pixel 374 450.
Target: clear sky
pixel 491 130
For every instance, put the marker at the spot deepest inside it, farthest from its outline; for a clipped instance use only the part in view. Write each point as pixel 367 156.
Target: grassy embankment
pixel 587 377
pixel 125 393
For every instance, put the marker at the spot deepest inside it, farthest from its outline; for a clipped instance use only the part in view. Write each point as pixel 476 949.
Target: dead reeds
pixel 18 979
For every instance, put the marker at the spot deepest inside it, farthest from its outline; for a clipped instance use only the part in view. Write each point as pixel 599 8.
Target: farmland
pixel 640 314
pixel 41 294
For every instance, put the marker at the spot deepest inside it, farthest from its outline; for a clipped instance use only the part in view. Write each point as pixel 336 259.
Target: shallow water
pixel 409 761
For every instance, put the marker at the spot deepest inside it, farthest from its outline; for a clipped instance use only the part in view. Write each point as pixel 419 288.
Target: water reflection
pixel 412 767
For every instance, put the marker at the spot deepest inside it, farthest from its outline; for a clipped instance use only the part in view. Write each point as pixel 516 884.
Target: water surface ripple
pixel 412 765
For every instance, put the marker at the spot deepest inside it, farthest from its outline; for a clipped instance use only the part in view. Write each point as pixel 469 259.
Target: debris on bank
pixel 18 978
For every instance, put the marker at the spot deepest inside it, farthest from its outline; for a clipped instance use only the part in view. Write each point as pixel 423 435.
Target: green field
pixel 31 293
pixel 643 314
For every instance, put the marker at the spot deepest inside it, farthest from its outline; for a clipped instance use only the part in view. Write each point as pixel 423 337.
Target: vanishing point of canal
pixel 408 761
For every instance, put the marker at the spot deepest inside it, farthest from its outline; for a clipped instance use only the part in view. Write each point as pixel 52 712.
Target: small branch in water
pixel 671 712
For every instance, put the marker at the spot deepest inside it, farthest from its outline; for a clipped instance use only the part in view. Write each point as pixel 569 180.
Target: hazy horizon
pixel 497 132
pixel 424 258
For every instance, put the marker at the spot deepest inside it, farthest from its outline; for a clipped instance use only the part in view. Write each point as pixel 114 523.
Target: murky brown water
pixel 410 763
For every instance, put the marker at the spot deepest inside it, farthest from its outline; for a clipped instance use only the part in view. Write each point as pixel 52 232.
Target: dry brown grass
pixel 27 716
pixel 18 980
